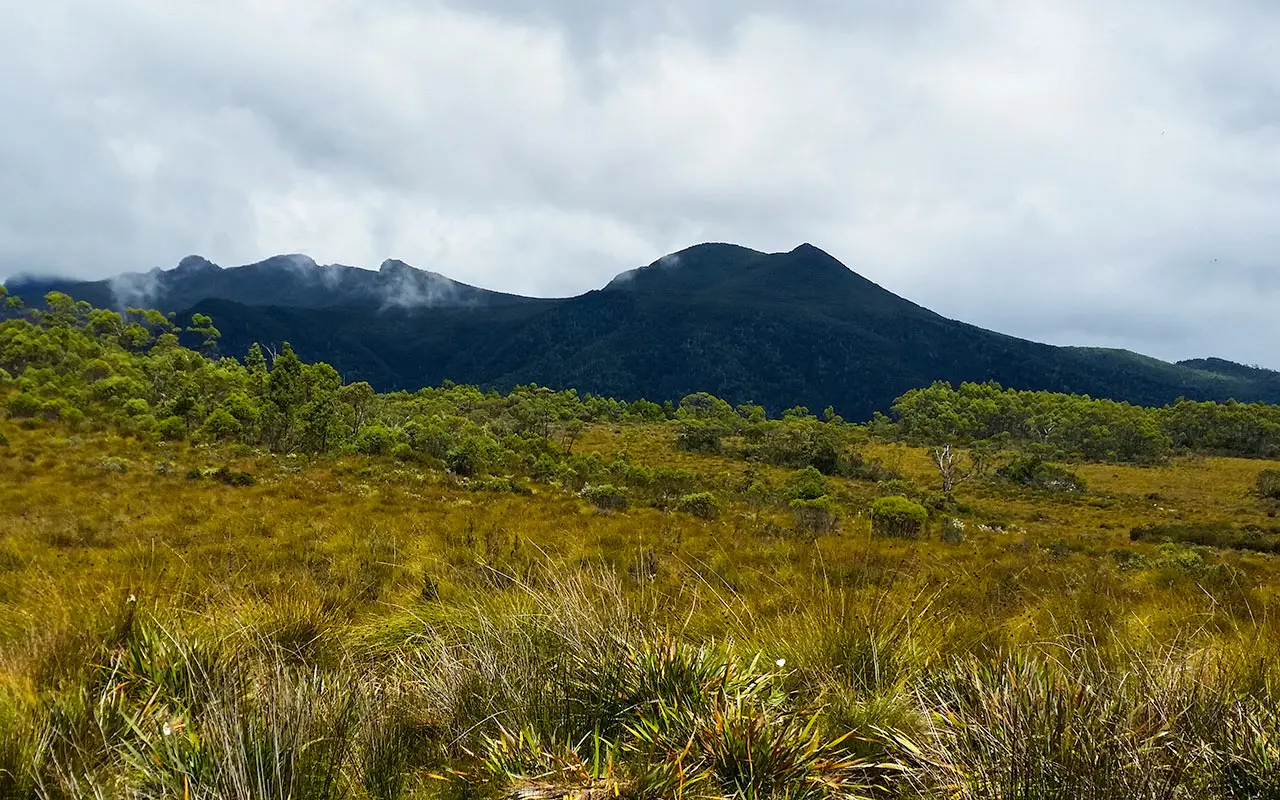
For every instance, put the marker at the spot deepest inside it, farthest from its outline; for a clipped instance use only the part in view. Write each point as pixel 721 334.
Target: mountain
pixel 780 329
pixel 294 281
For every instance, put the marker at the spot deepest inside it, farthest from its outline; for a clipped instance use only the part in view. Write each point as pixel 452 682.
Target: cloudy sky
pixel 1084 172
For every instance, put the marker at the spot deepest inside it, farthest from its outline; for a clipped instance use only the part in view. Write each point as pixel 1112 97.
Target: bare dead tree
pixel 953 467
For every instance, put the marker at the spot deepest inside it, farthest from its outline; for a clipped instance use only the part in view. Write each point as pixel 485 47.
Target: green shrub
pixel 1268 484
pixel 701 437
pixel 817 516
pixel 471 457
pixel 375 440
pixel 806 484
pixel 219 426
pixel 606 497
pixel 171 429
pixel 898 517
pixel 894 486
pixel 700 504
pixel 24 405
pixel 1034 472
pixel 233 477
pixel 1222 535
pixel 4 440
pixel 113 465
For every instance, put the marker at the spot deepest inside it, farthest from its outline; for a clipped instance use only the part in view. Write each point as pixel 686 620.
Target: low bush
pixel 1033 472
pixel 233 477
pixel 1222 535
pixel 701 437
pixel 817 516
pixel 606 497
pixel 700 504
pixel 898 517
pixel 171 429
pixel 1268 484
pixel 953 531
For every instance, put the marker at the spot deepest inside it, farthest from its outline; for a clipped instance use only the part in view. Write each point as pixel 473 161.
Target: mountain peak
pixel 394 265
pixel 194 263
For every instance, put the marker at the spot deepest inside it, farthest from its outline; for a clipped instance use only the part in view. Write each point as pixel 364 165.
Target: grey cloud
pixel 1086 173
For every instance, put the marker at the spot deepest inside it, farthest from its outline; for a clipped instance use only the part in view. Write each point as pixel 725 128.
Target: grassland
pixel 356 626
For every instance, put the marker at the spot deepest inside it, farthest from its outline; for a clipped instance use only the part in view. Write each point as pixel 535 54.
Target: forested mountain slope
pixel 780 329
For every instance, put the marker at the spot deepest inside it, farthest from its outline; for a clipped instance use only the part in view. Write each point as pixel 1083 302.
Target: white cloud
pixel 1079 173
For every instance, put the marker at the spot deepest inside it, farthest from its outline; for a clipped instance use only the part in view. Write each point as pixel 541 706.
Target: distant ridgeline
pixel 778 329
pixel 86 368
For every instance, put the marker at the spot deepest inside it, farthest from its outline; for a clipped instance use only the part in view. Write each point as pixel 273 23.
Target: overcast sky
pixel 1084 172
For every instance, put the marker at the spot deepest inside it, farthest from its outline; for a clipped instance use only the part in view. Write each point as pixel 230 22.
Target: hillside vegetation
pixel 770 328
pixel 249 579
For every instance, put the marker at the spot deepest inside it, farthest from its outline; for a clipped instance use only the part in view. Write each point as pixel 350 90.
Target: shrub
pixel 4 440
pixel 702 505
pixel 171 428
pixel 113 465
pixel 894 486
pixel 898 517
pixel 854 465
pixel 24 405
pixel 1221 535
pixel 806 484
pixel 1268 484
pixel 219 426
pixel 375 440
pixel 606 497
pixel 470 457
pixel 817 516
pixel 701 437
pixel 1032 471
pixel 233 477
pixel 953 531
pixel 704 406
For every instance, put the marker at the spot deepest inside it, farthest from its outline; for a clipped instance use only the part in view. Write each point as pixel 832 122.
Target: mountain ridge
pixel 292 280
pixel 781 329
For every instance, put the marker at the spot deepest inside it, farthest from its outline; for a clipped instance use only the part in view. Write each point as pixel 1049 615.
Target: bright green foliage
pixel 703 406
pixel 1071 426
pixel 606 497
pixel 817 516
pixel 898 517
pixel 202 326
pixel 700 504
pixel 806 484
pixel 219 426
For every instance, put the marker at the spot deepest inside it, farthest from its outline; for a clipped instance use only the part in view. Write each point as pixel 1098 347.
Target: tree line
pixel 1079 427
pixel 131 373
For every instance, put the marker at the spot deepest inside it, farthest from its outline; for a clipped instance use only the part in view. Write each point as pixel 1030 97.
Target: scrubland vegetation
pixel 225 579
